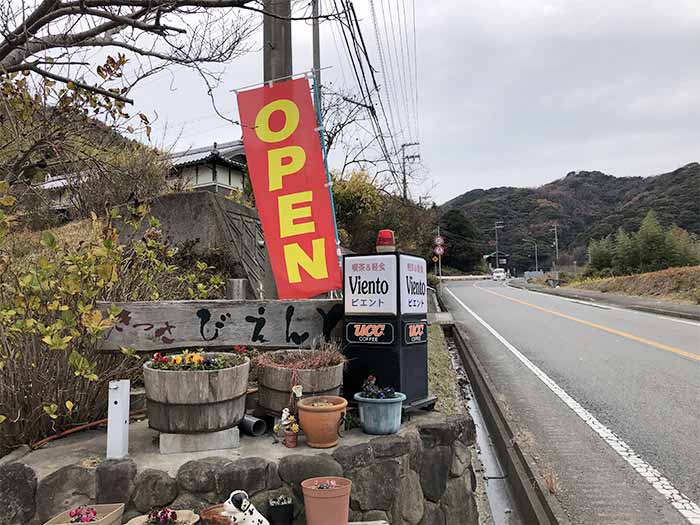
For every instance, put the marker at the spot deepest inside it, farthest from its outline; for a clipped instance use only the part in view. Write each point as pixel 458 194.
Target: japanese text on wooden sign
pixel 285 162
pixel 164 325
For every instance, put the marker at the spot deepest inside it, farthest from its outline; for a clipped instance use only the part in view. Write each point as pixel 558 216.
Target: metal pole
pixel 495 227
pixel 403 170
pixel 537 266
pixel 439 257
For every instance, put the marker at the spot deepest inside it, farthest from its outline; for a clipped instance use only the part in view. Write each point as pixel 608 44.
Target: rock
pixel 375 515
pixel 354 456
pixel 461 459
pixel 435 470
pixel 433 515
pixel 376 486
pixel 437 434
pixel 250 474
pixel 261 500
pixel 187 501
pixel 355 515
pixel 17 491
pixel 199 476
pixel 464 428
pixel 130 514
pixel 64 489
pixel 296 468
pixel 416 450
pixel 412 506
pixel 458 503
pixel 115 480
pixel 390 446
pixel 153 488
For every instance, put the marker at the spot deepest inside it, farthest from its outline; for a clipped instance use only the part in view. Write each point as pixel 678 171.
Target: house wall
pixel 203 175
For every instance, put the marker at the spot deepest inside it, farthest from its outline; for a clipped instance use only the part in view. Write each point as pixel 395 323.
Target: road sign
pixel 435 259
pixel 439 250
pixel 439 240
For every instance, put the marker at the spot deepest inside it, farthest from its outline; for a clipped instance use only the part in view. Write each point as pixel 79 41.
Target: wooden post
pixel 236 289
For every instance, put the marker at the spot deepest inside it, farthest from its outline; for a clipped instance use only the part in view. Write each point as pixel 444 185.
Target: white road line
pixel 679 501
pixel 607 306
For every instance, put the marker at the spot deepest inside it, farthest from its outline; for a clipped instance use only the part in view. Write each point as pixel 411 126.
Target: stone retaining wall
pixel 423 476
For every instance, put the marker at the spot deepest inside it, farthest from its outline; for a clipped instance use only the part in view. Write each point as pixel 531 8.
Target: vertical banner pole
pixel 329 183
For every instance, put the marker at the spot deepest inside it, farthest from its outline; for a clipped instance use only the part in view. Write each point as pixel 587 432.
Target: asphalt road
pixel 605 400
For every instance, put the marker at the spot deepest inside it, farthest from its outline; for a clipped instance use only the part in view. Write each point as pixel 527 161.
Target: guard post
pixel 386 325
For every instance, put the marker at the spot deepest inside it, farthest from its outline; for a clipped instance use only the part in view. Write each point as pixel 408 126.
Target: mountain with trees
pixel 584 205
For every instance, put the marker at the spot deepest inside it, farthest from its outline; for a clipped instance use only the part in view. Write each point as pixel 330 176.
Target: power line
pixel 355 53
pixel 401 91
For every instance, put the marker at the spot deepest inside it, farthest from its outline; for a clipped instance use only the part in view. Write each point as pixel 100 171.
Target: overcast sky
pixel 510 92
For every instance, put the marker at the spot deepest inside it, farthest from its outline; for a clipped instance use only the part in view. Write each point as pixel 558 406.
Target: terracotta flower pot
pixel 320 417
pixel 290 439
pixel 326 506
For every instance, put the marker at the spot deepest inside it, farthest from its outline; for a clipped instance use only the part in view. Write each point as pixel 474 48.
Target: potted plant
pixel 318 371
pixel 99 514
pixel 320 418
pixel 281 510
pixel 380 408
pixel 166 517
pixel 289 426
pixel 196 391
pixel 327 500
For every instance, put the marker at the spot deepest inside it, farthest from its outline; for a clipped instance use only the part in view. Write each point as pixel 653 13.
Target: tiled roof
pixel 225 150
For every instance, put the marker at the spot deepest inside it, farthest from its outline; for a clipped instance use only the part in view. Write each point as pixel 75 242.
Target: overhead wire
pixel 351 32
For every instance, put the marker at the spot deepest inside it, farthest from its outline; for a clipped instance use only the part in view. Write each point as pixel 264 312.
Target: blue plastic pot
pixel 380 416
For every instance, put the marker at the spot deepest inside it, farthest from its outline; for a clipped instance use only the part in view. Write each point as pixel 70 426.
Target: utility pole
pixel 537 265
pixel 317 46
pixel 497 225
pixel 277 40
pixel 556 245
pixel 404 158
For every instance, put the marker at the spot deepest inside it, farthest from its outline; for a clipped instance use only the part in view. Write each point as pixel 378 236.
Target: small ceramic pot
pixel 290 439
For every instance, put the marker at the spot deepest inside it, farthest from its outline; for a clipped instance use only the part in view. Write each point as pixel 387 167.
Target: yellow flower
pixel 197 358
pixel 291 419
pixel 177 360
pixel 295 428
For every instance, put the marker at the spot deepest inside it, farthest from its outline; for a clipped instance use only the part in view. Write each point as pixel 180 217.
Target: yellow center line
pixel 627 335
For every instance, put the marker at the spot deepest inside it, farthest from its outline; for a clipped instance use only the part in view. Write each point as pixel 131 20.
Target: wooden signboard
pixel 161 325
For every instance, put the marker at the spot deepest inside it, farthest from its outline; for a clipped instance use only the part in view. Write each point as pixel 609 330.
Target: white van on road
pixel 499 274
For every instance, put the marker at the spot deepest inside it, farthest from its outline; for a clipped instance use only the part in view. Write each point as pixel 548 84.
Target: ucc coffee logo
pixel 415 333
pixel 371 333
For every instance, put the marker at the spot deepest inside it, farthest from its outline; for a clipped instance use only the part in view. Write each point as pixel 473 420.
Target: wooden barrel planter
pixel 275 384
pixel 190 402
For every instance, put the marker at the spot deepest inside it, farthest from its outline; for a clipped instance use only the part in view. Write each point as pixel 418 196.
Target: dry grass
pixel 523 439
pixel 551 480
pixel 442 378
pixel 672 284
pixel 321 355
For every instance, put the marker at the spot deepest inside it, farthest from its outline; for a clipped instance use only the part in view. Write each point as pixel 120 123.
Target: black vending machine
pixel 386 324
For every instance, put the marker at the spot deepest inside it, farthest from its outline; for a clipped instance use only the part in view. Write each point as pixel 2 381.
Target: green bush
pixel 650 249
pixel 52 375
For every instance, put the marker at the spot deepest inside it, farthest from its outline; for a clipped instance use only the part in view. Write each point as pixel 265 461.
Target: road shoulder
pixel 683 311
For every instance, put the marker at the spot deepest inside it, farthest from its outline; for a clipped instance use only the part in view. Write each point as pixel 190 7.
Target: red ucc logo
pixel 371 333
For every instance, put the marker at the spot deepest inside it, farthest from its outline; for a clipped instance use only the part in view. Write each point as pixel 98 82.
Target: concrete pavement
pixel 607 401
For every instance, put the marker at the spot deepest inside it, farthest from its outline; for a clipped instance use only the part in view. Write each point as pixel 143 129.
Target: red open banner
pixel 285 162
